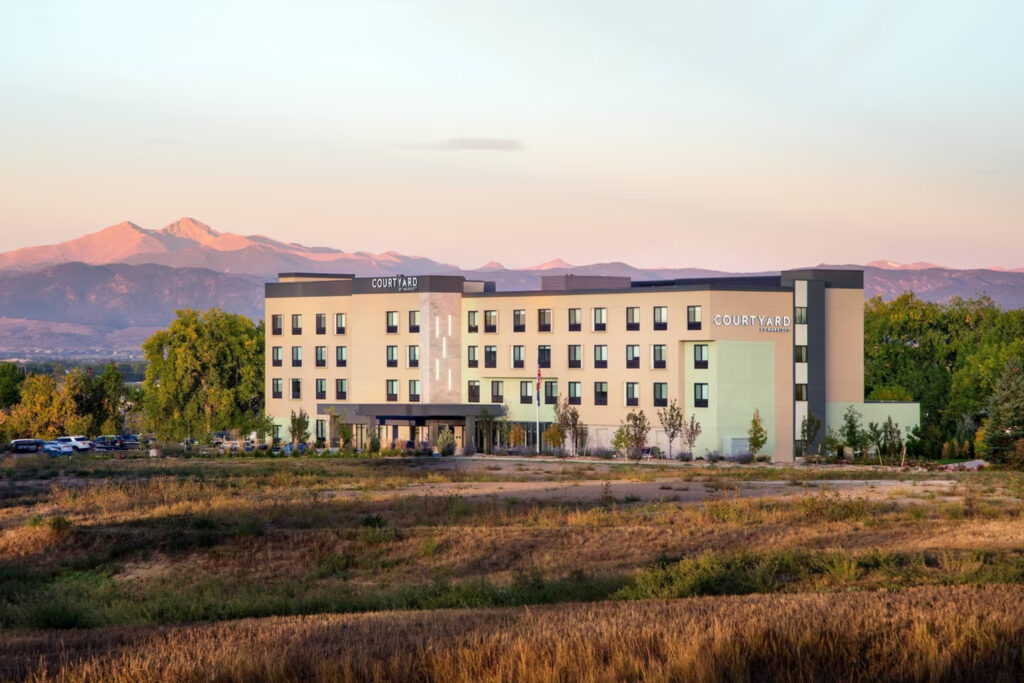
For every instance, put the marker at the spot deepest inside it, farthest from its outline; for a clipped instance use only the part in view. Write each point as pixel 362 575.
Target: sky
pixel 730 135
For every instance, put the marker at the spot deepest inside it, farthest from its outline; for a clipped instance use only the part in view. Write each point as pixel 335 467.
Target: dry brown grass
pixel 960 634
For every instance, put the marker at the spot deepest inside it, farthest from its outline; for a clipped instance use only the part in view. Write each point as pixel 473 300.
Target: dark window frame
pixel 340 357
pixel 700 363
pixel 698 401
pixel 600 395
pixel 277 324
pixel 694 318
pixel 321 329
pixel 544 356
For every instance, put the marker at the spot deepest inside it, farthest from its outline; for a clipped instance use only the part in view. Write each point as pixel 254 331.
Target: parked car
pixel 27 445
pixel 108 442
pixel 79 443
pixel 130 442
pixel 57 448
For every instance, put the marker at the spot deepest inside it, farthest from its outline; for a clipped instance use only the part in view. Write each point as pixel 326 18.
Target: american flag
pixel 538 384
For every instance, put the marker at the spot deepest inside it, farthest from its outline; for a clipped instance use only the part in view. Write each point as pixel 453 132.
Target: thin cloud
pixel 473 144
pixel 165 141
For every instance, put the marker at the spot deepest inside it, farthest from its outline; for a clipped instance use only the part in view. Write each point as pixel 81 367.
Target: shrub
pixel 712 456
pixel 741 458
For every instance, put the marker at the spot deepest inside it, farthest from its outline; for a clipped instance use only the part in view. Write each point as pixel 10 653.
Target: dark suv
pixel 108 443
pixel 130 442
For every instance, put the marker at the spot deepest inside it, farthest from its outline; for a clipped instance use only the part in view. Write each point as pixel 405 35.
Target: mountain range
pixel 106 291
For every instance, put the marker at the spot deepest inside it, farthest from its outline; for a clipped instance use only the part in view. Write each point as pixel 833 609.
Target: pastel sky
pixel 734 135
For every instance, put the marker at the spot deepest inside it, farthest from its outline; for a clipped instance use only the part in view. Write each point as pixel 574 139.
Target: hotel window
pixel 321 389
pixel 276 387
pixel 321 429
pixel 296 388
pixel 518 357
pixel 341 389
pixel 575 356
pixel 321 323
pixel 471 360
pixel 575 319
pixel 632 318
pixel 277 433
pixel 471 322
pixel 632 394
pixel 296 323
pixel 392 390
pixel 700 356
pixel 340 356
pixel 519 320
pixel 800 315
pixel 321 356
pixel 544 356
pixel 277 324
pixel 497 391
pixel 632 355
pixel 575 393
pixel 600 319
pixel 524 392
pixel 693 318
pixel 801 392
pixel 276 356
pixel 340 320
pixel 296 356
pixel 551 392
pixel 414 321
pixel 414 391
pixel 600 393
pixel 544 320
pixel 600 356
pixel 661 317
pixel 392 322
pixel 414 356
pixel 473 391
pixel 490 356
pixel 700 395
pixel 392 356
pixel 800 354
pixel 658 356
pixel 490 321
pixel 660 394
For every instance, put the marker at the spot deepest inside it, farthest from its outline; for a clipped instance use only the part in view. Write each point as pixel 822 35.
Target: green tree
pixel 299 427
pixel 875 437
pixel 757 437
pixel 204 374
pixel 1006 413
pixel 446 441
pixel 516 435
pixel 809 428
pixel 851 432
pixel 631 436
pixel 11 378
pixel 553 437
pixel 46 410
pixel 691 432
pixel 573 428
pixel 672 421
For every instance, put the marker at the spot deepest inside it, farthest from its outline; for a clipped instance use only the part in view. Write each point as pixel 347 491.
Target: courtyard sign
pixel 398 283
pixel 764 323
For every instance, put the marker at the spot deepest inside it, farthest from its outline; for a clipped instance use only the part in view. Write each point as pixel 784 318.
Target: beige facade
pixel 720 348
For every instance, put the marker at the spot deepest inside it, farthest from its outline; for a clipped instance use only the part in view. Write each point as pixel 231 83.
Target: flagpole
pixel 537 402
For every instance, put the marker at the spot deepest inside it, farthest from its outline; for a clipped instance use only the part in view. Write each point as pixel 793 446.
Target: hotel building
pixel 408 355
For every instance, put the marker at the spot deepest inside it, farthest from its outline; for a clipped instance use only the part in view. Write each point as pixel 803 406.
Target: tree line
pixel 203 373
pixel 950 357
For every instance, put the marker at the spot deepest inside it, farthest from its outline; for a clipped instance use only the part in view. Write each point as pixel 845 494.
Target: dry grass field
pixel 342 569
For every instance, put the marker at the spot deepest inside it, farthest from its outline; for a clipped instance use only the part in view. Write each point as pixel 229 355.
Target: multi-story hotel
pixel 408 355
